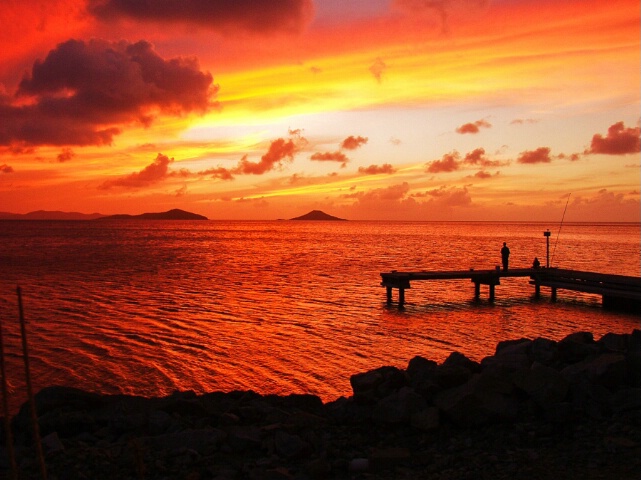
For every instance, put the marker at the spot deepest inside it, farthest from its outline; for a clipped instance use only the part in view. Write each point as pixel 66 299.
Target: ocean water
pixel 148 308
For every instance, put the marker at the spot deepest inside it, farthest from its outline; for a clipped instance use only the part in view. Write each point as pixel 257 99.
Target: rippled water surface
pixel 146 307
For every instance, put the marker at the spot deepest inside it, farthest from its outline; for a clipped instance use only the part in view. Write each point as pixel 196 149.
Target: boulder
pixel 376 384
pixel 544 385
pixel 577 346
pixel 485 398
pixel 398 407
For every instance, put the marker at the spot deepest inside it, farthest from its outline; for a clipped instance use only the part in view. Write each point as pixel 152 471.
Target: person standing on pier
pixel 505 255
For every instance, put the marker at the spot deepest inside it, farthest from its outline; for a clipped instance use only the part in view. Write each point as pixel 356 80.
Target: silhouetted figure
pixel 536 263
pixel 505 256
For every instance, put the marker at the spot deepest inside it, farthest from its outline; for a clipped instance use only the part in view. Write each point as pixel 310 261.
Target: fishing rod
pixel 561 225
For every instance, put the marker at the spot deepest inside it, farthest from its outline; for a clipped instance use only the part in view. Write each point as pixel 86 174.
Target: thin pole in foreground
pixel 32 401
pixel 5 409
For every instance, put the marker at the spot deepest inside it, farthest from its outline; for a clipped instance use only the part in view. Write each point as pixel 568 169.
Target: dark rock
pixel 545 385
pixel 536 409
pixel 456 359
pixel 398 407
pixel 544 351
pixel 289 446
pixel 449 377
pixel 427 419
pixel 484 399
pixel 376 384
pixel 577 346
pixel 522 345
pixel 202 441
pixel 241 438
pixel 608 370
pixel 614 342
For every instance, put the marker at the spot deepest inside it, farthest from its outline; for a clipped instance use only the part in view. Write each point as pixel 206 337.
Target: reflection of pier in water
pixel 617 291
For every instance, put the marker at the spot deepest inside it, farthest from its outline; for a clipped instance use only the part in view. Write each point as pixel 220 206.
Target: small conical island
pixel 318 215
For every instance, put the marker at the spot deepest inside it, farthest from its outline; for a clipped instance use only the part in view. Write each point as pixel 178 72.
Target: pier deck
pixel 616 290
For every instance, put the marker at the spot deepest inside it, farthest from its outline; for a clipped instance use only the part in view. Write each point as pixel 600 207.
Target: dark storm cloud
pixel 473 127
pixel 377 169
pixel 84 93
pixel 264 16
pixel 151 174
pixel 540 155
pixel 352 142
pixel 619 141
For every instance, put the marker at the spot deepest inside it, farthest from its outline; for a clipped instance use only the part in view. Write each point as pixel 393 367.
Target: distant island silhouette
pixel 175 214
pixel 49 215
pixel 318 215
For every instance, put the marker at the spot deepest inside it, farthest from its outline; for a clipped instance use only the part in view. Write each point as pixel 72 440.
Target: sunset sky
pixel 365 109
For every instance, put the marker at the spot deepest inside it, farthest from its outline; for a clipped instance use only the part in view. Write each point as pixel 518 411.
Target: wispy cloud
pixel 265 16
pixel 151 174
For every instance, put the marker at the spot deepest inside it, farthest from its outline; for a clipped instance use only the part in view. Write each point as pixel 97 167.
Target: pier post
pixel 477 290
pixel 546 234
pixel 401 298
pixel 389 295
pixel 492 292
pixel 554 294
pixel 537 290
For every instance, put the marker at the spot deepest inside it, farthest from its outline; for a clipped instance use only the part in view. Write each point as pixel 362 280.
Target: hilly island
pixel 174 214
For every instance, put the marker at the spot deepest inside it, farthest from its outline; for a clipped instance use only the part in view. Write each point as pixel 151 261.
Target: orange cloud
pixel 449 163
pixel 473 127
pixel 280 150
pixel 377 69
pixel 392 193
pixel 221 173
pixel 447 196
pixel 477 157
pixel 82 93
pixel 618 141
pixel 66 155
pixel 482 174
pixel 151 174
pixel 352 142
pixel 377 169
pixel 4 168
pixel 266 16
pixel 540 155
pixel 339 157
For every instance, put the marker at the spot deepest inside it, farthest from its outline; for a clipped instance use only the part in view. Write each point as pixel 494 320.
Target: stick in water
pixel 5 408
pixel 32 401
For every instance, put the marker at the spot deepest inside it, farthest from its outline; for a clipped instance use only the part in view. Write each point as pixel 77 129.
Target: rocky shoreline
pixel 536 409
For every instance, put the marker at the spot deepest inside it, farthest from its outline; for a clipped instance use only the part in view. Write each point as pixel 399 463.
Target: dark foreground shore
pixel 536 409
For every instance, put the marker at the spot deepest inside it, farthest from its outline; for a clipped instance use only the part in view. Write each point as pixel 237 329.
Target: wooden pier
pixel 617 291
